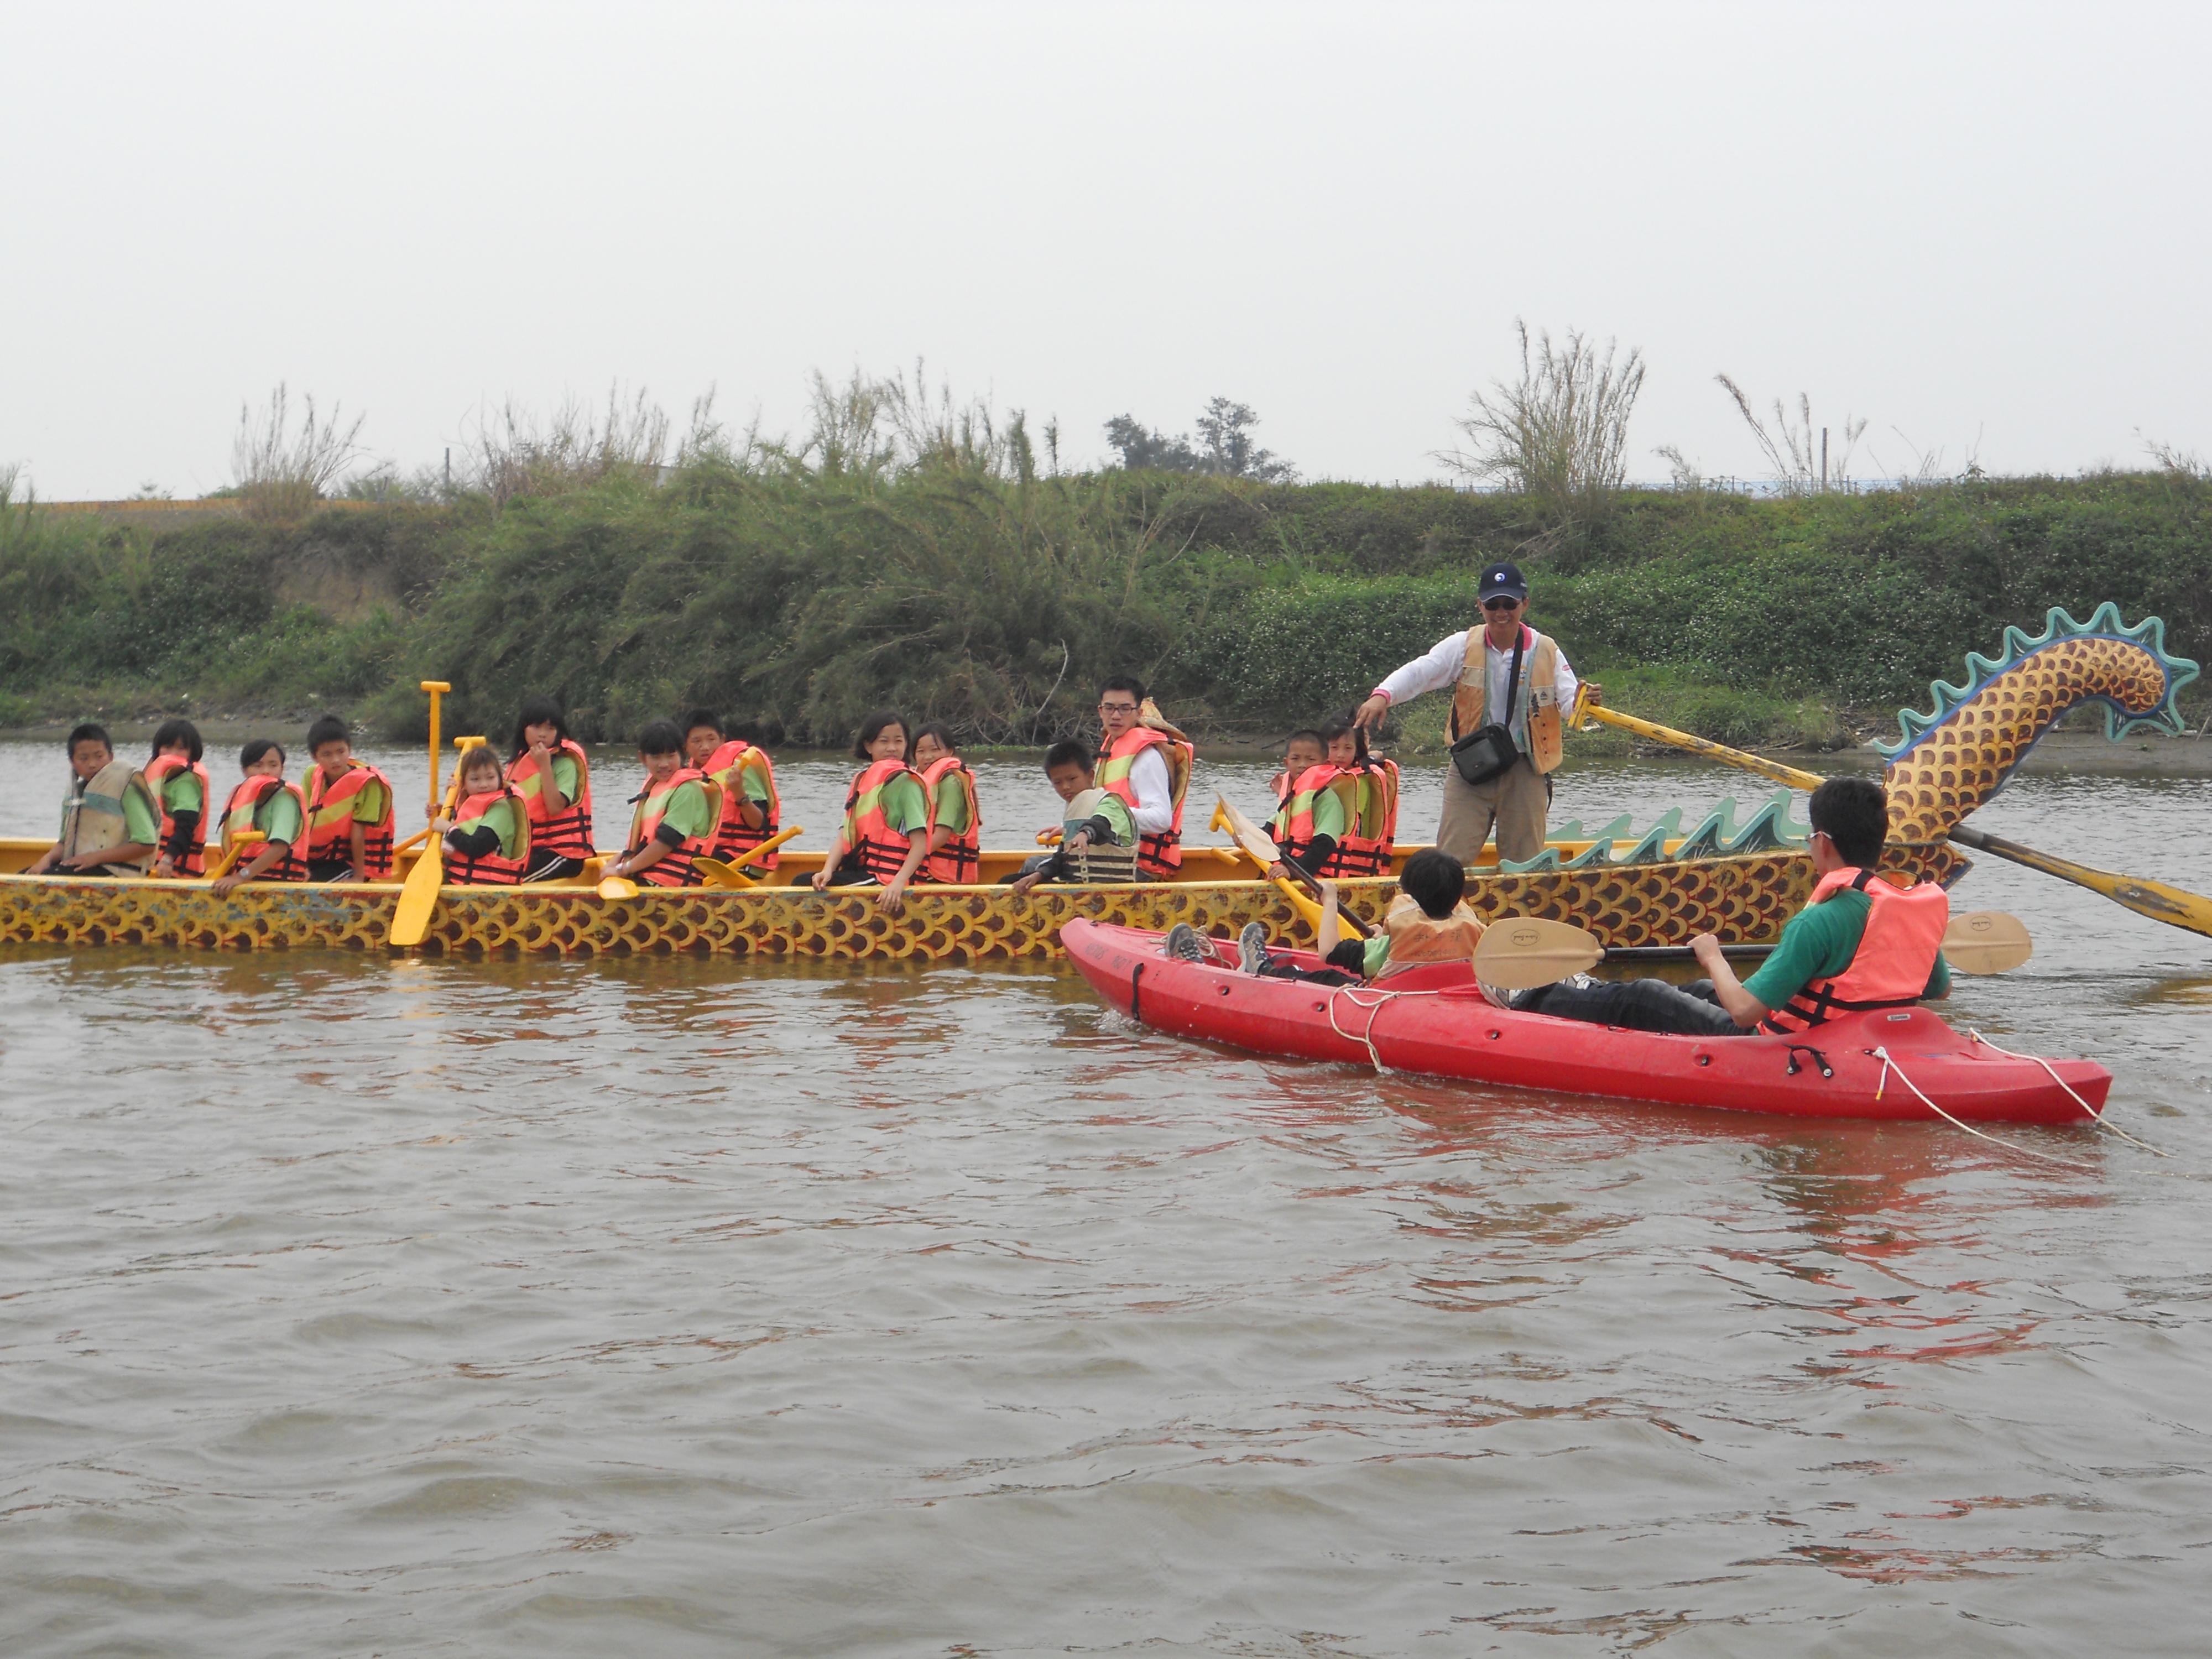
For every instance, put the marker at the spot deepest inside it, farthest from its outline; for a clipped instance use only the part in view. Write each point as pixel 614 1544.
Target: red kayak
pixel 1434 1019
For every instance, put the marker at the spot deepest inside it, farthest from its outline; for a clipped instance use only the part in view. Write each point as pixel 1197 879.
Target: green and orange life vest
pixel 503 868
pixel 874 844
pixel 567 832
pixel 159 770
pixel 238 815
pixel 330 821
pixel 960 860
pixel 674 868
pixel 727 766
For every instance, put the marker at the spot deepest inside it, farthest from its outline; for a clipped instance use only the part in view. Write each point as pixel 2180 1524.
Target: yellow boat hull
pixel 1743 900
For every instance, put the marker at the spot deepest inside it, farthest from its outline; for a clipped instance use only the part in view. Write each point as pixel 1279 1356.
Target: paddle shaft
pixel 1587 710
pixel 2176 906
pixel 2154 900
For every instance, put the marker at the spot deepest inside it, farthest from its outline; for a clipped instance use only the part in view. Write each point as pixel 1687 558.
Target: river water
pixel 700 1307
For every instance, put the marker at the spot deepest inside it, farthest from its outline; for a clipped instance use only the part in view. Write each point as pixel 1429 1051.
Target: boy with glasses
pixel 1144 762
pixel 1512 689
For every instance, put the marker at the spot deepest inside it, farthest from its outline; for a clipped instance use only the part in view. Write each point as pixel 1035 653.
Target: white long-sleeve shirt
pixel 1442 666
pixel 1155 809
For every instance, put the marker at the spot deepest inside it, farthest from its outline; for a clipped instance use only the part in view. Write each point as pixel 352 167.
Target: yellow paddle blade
pixel 1520 952
pixel 1986 942
pixel 1254 841
pixel 618 887
pixel 411 919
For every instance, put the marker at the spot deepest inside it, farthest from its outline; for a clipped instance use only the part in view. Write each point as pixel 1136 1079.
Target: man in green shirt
pixel 1851 819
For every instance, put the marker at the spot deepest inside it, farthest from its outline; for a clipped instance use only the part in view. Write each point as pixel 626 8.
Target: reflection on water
pixel 681 1306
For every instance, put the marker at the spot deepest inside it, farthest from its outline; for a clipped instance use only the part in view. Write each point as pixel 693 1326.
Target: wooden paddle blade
pixel 1254 841
pixel 715 872
pixel 411 918
pixel 618 887
pixel 1986 942
pixel 1520 952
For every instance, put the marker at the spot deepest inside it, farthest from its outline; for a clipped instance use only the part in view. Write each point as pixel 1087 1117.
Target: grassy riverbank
pixel 805 597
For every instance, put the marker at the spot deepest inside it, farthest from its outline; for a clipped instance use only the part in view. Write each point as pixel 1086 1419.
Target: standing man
pixel 1503 674
pixel 1145 763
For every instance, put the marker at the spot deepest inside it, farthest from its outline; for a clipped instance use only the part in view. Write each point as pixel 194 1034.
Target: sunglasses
pixel 1499 604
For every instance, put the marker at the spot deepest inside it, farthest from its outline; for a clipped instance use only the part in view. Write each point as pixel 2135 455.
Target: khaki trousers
pixel 1516 802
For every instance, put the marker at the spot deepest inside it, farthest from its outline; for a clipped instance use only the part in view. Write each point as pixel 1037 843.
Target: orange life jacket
pixel 873 844
pixel 330 821
pixel 495 869
pixel 1370 821
pixel 1418 937
pixel 959 859
pixel 238 814
pixel 567 832
pixel 1896 954
pixel 1296 838
pixel 1157 853
pixel 158 772
pixel 674 867
pixel 727 766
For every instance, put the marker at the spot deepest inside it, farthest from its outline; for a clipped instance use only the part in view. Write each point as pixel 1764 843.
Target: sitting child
pixel 488 836
pixel 350 813
pixel 111 821
pixel 264 803
pixel 1426 923
pixel 1097 835
pixel 180 781
pixel 1304 751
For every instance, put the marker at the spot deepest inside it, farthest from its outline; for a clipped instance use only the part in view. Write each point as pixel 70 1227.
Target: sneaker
pixel 1182 943
pixel 1252 956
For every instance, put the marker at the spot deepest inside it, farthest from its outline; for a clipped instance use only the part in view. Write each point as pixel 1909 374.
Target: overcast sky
pixel 1971 224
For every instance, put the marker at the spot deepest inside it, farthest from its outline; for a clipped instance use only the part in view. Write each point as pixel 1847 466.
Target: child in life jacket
pixel 488 834
pixel 179 783
pixel 551 776
pixel 677 812
pixel 1342 814
pixel 110 822
pixel 1302 752
pixel 751 806
pixel 264 801
pixel 885 834
pixel 1097 835
pixel 956 823
pixel 1426 922
pixel 348 836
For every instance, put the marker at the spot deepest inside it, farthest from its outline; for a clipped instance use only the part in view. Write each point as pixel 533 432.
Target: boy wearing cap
pixel 1503 674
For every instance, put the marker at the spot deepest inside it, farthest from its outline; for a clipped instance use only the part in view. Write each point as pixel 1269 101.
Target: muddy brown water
pixel 350 1306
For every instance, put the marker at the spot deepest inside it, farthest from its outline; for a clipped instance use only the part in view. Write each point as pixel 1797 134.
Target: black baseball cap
pixel 1503 581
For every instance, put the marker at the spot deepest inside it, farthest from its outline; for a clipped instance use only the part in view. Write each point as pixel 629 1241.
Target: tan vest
pixel 93 820
pixel 1417 937
pixel 1540 695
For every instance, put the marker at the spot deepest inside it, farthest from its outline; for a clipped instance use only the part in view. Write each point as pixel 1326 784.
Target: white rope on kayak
pixel 1889 1065
pixel 1366 1038
pixel 2095 1116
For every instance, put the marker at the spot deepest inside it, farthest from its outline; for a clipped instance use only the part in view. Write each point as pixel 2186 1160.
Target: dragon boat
pixel 1656 886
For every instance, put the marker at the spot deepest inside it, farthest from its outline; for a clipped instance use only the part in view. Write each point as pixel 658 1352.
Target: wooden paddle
pixel 2174 906
pixel 1520 952
pixel 728 874
pixel 1261 848
pixel 410 917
